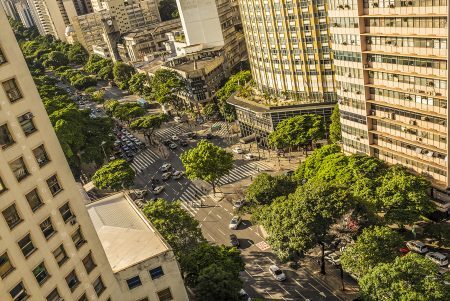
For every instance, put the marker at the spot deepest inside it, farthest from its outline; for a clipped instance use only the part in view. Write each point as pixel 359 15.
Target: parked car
pixel 183 143
pixel 238 150
pixel 277 273
pixel 234 240
pixel 166 167
pixel 244 296
pixel 209 136
pixel 173 146
pixel 174 138
pixel 167 142
pixel 158 189
pixel 165 176
pixel 234 223
pixel 417 246
pixel 141 193
pixel 238 204
pixel 438 258
pixel 177 174
pixel 249 156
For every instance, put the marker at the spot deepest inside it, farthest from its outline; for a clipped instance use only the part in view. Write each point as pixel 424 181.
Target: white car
pixel 277 273
pixel 166 167
pixel 244 296
pixel 238 204
pixel 238 150
pixel 234 223
pixel 417 246
pixel 178 174
pixel 165 176
pixel 438 258
pixel 158 189
pixel 174 138
pixel 249 156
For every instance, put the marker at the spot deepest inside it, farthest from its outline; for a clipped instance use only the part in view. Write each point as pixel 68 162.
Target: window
pixel 5 136
pixel 6 266
pixel 26 245
pixel 89 263
pixel 41 274
pixel 156 272
pixel 11 216
pixel 165 295
pixel 66 213
pixel 34 200
pixel 54 296
pixel 134 282
pixel 60 255
pixel 143 299
pixel 98 285
pixel 47 228
pixel 2 57
pixel 83 298
pixel 27 124
pixel 18 293
pixel 19 169
pixel 72 281
pixel 41 155
pixel 53 185
pixel 12 90
pixel 78 238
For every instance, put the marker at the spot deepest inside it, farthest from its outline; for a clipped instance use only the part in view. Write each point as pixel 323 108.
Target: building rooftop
pixel 126 236
pixel 207 64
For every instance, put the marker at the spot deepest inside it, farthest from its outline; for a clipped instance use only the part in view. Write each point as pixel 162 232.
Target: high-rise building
pixel 391 69
pixel 289 51
pixel 24 12
pixel 51 247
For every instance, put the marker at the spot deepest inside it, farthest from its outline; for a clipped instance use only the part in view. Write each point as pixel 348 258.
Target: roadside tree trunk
pixel 322 262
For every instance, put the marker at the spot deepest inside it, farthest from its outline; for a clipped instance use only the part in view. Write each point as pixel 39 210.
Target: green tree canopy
pixel 122 74
pixel 128 111
pixel 165 85
pixel 335 126
pixel 207 162
pixel 84 82
pixel 375 245
pixel 409 278
pixel 110 105
pixel 114 175
pixel 147 124
pixel 233 84
pixel 56 59
pixel 168 9
pixel 298 131
pixel 265 188
pixel 216 282
pixel 211 110
pixel 139 84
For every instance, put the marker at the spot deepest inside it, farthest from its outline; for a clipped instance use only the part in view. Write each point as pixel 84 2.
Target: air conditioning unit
pixel 349 75
pixel 391 115
pixel 392 5
pixel 430 84
pixel 341 6
pixel 73 221
pixel 424 118
pixel 358 92
pixel 347 6
pixel 13 94
pixel 366 66
pixel 345 90
pixel 419 139
pixel 410 3
pixel 408 97
pixel 28 116
pixel 443 122
pixel 344 43
pixel 375 4
pixel 412 122
pixel 424 134
pixel 373 112
pixel 352 42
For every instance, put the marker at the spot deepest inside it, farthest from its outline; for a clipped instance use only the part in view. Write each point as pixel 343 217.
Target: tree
pixel 128 111
pixel 165 86
pixel 114 175
pixel 77 54
pixel 440 232
pixel 266 188
pixel 302 221
pixel 147 124
pixel 56 59
pixel 178 228
pixel 207 162
pixel 403 196
pixel 375 245
pixel 122 74
pixel 139 84
pixel 98 96
pixel 408 278
pixel 234 83
pixel 300 131
pixel 84 82
pixel 216 282
pixel 211 110
pixel 168 9
pixel 110 105
pixel 335 126
pixel 308 168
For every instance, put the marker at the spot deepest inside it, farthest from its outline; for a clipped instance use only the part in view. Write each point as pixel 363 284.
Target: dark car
pixel 167 142
pixel 209 136
pixel 183 143
pixel 234 240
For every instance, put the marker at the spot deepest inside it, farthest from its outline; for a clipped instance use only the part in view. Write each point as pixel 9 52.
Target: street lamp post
pixel 104 152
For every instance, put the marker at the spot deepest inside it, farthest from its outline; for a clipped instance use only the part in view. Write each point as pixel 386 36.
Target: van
pixel 417 246
pixel 438 258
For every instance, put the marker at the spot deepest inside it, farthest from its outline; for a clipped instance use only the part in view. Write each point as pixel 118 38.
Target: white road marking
pixel 284 289
pixel 211 237
pixel 298 283
pixel 219 216
pixel 250 228
pixel 320 292
pixel 221 231
pixel 249 274
pixel 205 218
pixel 271 260
pixel 260 267
pixel 269 294
pixel 306 299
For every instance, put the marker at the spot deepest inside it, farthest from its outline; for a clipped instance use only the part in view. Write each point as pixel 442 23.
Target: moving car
pixel 158 189
pixel 277 273
pixel 183 143
pixel 438 258
pixel 234 223
pixel 238 204
pixel 234 240
pixel 417 246
pixel 165 176
pixel 238 150
pixel 249 156
pixel 177 174
pixel 173 146
pixel 166 167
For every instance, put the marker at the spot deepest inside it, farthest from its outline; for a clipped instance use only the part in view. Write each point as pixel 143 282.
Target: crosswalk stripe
pixel 243 171
pixel 144 159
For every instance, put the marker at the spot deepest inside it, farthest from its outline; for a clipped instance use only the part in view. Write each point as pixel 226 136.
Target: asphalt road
pixel 214 216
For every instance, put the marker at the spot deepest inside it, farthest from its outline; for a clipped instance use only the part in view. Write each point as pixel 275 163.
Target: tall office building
pixel 391 70
pixel 24 12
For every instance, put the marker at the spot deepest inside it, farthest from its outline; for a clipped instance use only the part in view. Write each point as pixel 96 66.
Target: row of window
pixel 407 61
pixel 408 42
pixel 353 117
pixel 27 125
pixel 135 281
pixel 403 3
pixel 408 22
pixel 421 134
pixel 426 100
pixel 409 114
pixel 12 90
pixel 408 79
pixel 347 56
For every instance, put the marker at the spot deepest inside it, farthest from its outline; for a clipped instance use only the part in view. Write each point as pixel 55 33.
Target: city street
pixel 215 212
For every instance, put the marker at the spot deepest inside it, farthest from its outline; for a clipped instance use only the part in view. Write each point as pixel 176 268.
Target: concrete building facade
pixel 391 69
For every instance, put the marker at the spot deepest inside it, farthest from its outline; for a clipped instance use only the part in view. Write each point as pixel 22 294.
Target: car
pixel 183 143
pixel 249 157
pixel 243 295
pixel 238 204
pixel 438 258
pixel 238 150
pixel 141 193
pixel 174 138
pixel 158 189
pixel 177 174
pixel 234 223
pixel 209 136
pixel 177 119
pixel 417 246
pixel 165 176
pixel 234 240
pixel 173 146
pixel 166 167
pixel 334 258
pixel 167 142
pixel 191 135
pixel 98 110
pixel 277 273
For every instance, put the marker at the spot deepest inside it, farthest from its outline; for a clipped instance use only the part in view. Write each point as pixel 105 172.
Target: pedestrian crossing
pixel 192 198
pixel 223 131
pixel 244 171
pixel 166 133
pixel 143 160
